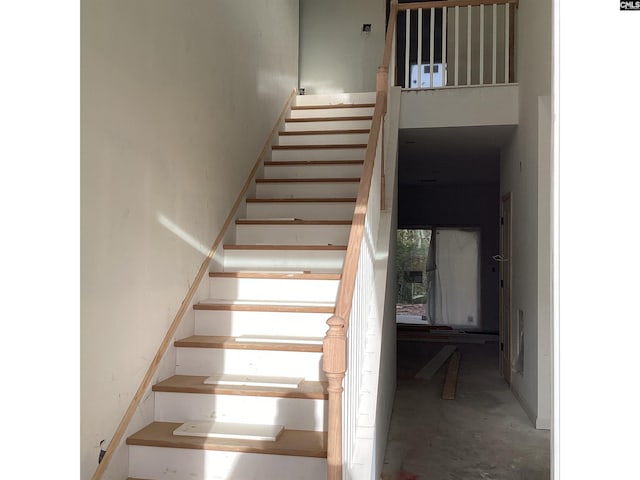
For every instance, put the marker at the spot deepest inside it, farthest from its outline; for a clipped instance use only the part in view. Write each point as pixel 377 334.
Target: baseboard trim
pixel 543 423
pixel 527 409
pixel 540 423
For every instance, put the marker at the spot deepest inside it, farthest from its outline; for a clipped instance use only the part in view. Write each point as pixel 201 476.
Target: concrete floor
pixel 483 434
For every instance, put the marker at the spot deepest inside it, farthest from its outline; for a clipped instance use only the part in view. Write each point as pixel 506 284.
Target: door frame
pixel 506 273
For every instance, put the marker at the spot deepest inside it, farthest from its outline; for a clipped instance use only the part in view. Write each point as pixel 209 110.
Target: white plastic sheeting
pixel 457 292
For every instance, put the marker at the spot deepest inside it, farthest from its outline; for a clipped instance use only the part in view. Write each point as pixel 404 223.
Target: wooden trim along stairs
pixel 195 384
pixel 252 312
pixel 207 341
pixel 325 132
pixel 328 119
pixel 300 200
pixel 308 180
pixel 290 442
pixel 320 146
pixel 336 105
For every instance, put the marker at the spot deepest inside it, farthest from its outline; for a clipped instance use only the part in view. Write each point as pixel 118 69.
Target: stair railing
pixel 480 52
pixel 345 340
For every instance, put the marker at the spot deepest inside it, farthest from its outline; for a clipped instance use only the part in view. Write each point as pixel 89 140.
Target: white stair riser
pixel 313 171
pixel 209 361
pixel 292 234
pixel 314 261
pixel 181 464
pixel 307 189
pixel 329 139
pixel 335 98
pixel 273 289
pixel 304 211
pixel 332 112
pixel 234 324
pixel 322 125
pixel 311 154
pixel 293 413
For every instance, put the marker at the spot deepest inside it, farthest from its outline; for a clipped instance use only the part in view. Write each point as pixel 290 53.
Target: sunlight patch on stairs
pixel 241 431
pixel 280 339
pixel 254 381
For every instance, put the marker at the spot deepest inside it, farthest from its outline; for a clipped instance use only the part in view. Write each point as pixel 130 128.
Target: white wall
pixel 335 56
pixel 177 101
pixel 526 171
pixel 460 107
pixel 387 369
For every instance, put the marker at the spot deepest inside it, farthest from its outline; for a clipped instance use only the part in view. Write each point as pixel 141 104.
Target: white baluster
pixel 419 48
pixel 481 45
pixel 432 12
pixel 457 45
pixel 494 25
pixel 506 43
pixel 444 45
pixel 469 45
pixel 407 51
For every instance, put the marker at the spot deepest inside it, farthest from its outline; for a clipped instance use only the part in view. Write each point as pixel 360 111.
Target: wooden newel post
pixel 334 364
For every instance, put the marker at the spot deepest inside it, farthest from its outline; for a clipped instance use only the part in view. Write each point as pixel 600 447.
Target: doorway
pixel 438 277
pixel 505 286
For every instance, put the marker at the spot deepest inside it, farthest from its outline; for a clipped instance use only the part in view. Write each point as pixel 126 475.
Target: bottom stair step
pixel 290 442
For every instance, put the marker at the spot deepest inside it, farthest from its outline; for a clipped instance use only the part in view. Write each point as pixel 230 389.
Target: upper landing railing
pixel 455 42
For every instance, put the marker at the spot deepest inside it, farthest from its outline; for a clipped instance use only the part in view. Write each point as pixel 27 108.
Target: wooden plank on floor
pixel 430 369
pixel 451 381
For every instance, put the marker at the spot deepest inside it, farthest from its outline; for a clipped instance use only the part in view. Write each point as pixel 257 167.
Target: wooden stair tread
pixel 308 180
pixel 333 105
pixel 225 342
pixel 291 442
pixel 329 119
pixel 321 146
pixel 303 200
pixel 285 247
pixel 325 132
pixel 285 163
pixel 265 306
pixel 276 275
pixel 295 221
pixel 195 384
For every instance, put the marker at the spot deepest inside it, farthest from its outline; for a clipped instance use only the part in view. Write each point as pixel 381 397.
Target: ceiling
pixel 455 155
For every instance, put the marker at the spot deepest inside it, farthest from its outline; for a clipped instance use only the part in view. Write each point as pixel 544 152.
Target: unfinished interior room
pixel 316 239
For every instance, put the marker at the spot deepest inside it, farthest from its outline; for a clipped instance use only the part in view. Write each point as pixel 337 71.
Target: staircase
pixel 248 398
